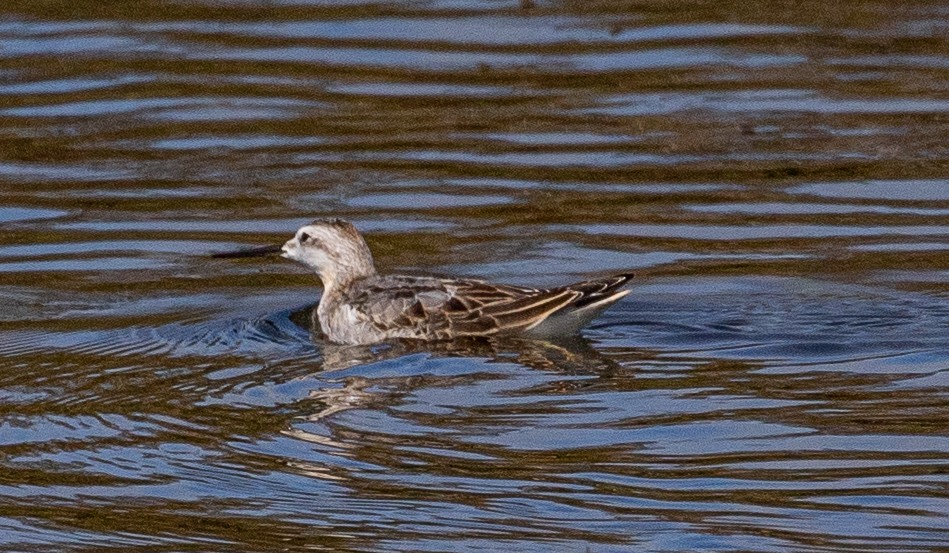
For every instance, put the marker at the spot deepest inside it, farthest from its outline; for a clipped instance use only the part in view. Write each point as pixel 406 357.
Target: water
pixel 776 175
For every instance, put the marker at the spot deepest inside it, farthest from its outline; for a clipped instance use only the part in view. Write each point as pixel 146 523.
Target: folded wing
pixel 449 308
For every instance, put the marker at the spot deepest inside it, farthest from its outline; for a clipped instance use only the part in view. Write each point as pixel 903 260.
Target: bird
pixel 360 307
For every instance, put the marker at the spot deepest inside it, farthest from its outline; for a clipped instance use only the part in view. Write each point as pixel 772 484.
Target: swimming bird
pixel 360 306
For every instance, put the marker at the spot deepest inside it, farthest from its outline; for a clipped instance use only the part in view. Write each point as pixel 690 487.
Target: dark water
pixel 777 174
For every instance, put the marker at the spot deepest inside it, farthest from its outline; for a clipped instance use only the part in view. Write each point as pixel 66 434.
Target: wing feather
pixel 538 309
pixel 478 293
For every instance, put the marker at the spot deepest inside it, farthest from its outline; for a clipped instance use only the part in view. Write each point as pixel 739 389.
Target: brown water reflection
pixel 776 175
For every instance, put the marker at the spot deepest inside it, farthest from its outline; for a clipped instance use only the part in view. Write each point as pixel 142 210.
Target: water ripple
pixel 774 175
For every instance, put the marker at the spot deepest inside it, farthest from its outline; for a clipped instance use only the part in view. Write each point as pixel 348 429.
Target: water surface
pixel 775 175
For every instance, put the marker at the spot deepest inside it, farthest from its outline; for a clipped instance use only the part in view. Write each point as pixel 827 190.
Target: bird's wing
pixel 447 308
pixel 474 294
pixel 405 304
pixel 478 308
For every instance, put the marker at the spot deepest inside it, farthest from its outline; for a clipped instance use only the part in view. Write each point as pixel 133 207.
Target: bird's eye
pixel 304 237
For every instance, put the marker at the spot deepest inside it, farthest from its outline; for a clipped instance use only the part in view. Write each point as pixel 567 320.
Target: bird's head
pixel 333 248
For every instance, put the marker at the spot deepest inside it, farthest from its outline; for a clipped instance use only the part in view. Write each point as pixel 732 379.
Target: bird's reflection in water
pixel 566 355
pixel 570 356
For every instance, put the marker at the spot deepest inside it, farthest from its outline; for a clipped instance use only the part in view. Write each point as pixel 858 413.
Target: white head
pixel 332 248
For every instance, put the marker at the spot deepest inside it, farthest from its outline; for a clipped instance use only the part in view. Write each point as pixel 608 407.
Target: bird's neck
pixel 338 279
pixel 332 313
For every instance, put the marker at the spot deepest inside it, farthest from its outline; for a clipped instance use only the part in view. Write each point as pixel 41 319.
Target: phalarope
pixel 359 306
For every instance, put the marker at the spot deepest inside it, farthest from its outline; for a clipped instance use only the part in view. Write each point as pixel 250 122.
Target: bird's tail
pixel 593 297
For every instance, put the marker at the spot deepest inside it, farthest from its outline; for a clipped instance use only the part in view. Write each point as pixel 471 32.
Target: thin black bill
pixel 249 252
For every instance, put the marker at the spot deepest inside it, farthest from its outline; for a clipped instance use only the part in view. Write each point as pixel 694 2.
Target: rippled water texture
pixel 776 174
